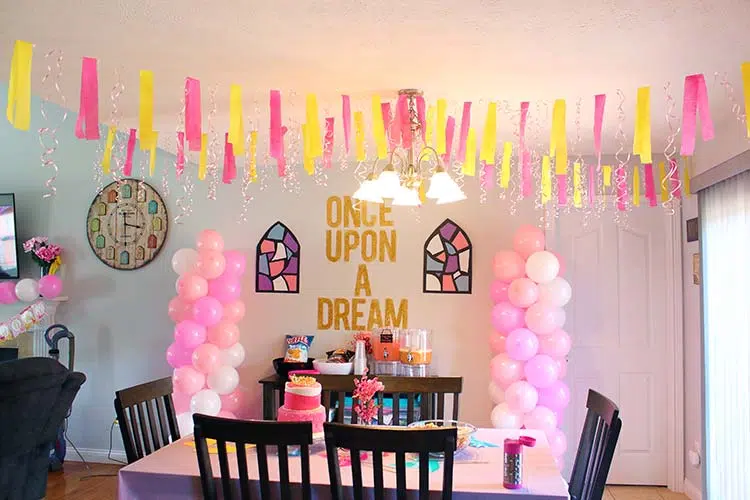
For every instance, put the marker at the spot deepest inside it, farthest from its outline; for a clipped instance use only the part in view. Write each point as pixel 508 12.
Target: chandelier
pixel 404 181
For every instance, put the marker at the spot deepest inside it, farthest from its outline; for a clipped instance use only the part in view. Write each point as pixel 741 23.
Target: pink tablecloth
pixel 172 473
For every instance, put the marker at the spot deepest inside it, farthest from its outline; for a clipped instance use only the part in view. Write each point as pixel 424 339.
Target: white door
pixel 617 320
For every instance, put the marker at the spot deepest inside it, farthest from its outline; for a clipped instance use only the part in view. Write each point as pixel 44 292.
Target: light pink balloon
pixel 541 319
pixel 225 288
pixel 178 356
pixel 521 397
pixel 542 267
pixel 189 334
pixel 50 286
pixel 208 239
pixel 227 414
pixel 523 292
pixel 557 292
pixel 559 415
pixel 541 371
pixel 191 287
pixel 224 334
pixel 556 345
pixel 508 266
pixel 234 401
pixel 562 368
pixel 210 264
pixel 206 358
pixel 8 292
pixel 187 380
pixel 181 401
pixel 236 262
pixel 558 443
pixel 506 317
pixel 207 311
pixel 499 291
pixel 234 311
pixel 179 310
pixel 560 463
pixel 556 396
pixel 497 342
pixel 527 240
pixel 560 317
pixel 541 418
pixel 521 344
pixel 504 370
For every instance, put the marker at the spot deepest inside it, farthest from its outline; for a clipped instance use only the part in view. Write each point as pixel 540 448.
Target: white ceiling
pixel 461 50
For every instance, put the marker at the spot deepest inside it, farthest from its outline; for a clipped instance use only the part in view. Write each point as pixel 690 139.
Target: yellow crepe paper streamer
pixel 746 90
pixel 686 178
pixel 577 182
pixel 470 162
pixel 430 127
pixel 252 168
pixel 146 112
pixel 663 185
pixel 558 146
pixel 642 134
pixel 107 158
pixel 236 128
pixel 422 193
pixel 313 127
pixel 546 180
pixel 636 187
pixel 152 155
pixel 202 158
pixel 378 128
pixel 359 135
pixel 442 119
pixel 489 139
pixel 307 160
pixel 607 174
pixel 505 169
pixel 19 86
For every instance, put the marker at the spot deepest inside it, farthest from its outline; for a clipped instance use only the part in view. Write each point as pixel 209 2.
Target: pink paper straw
pixel 450 127
pixel 193 113
pixel 87 124
pixel 465 124
pixel 675 179
pixel 127 170
pixel 562 190
pixel 180 164
pixel 599 102
pixel 276 147
pixel 650 191
pixel 592 185
pixel 421 115
pixel 403 111
pixel 328 151
pixel 346 112
pixel 394 133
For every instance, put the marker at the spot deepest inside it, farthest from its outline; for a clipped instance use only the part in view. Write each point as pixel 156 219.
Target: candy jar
pixel 513 462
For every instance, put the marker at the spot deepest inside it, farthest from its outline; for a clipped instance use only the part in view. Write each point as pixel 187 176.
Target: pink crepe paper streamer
pixel 180 164
pixel 193 113
pixel 465 124
pixel 523 155
pixel 674 184
pixel 127 170
pixel 421 115
pixel 599 101
pixel 394 132
pixel 695 105
pixel 276 145
pixel 450 128
pixel 346 112
pixel 592 185
pixel 648 169
pixel 230 167
pixel 622 188
pixel 403 114
pixel 281 160
pixel 562 190
pixel 87 124
pixel 328 151
pixel 488 175
pixel 385 110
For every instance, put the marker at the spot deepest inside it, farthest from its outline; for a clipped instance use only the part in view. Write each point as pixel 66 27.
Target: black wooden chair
pixel 146 417
pixel 394 440
pixel 262 434
pixel 596 448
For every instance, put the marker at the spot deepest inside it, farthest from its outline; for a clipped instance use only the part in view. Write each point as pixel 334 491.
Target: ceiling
pixel 536 50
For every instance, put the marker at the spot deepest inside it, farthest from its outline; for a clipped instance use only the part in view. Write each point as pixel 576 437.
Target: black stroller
pixel 53 335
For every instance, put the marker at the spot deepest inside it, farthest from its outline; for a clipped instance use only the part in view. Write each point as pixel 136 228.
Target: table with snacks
pixel 172 472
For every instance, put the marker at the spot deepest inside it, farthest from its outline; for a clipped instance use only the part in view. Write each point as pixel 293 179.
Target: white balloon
pixel 560 317
pixel 185 423
pixel 557 292
pixel 223 380
pixel 233 356
pixel 503 418
pixel 27 290
pixel 542 267
pixel 205 401
pixel 497 394
pixel 184 260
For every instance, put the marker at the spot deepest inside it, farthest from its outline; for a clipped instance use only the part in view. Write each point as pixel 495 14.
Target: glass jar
pixel 386 343
pixel 416 347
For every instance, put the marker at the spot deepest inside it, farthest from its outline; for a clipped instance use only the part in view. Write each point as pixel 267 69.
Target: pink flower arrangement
pixel 367 338
pixel 42 251
pixel 364 392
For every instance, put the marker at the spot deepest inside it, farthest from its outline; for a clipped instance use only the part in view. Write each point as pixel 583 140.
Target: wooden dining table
pixel 172 472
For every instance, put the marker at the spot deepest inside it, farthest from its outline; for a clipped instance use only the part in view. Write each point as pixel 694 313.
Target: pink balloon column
pixel 206 350
pixel 528 343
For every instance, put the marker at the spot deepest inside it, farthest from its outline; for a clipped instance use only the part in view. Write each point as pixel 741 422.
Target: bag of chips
pixel 297 347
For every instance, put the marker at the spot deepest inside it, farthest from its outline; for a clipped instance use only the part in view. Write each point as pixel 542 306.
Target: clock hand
pixel 133 225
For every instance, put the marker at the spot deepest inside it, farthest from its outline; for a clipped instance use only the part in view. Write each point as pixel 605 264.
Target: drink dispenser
pixel 385 344
pixel 416 352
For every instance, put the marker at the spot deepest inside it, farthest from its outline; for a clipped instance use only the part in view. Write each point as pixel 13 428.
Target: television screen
pixel 8 247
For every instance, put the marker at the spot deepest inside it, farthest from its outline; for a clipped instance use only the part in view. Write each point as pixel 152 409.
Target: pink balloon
pixel 234 311
pixel 506 317
pixel 191 287
pixel 541 418
pixel 560 463
pixel 504 370
pixel 236 262
pixel 527 240
pixel 189 334
pixel 541 371
pixel 499 291
pixel 523 292
pixel 50 286
pixel 178 356
pixel 521 344
pixel 179 310
pixel 558 443
pixel 8 292
pixel 556 345
pixel 562 368
pixel 556 396
pixel 559 415
pixel 227 414
pixel 207 311
pixel 208 239
pixel 521 397
pixel 225 288
pixel 187 380
pixel 224 334
pixel 508 266
pixel 181 402
pixel 497 342
pixel 541 319
pixel 206 358
pixel 560 261
pixel 234 401
pixel 210 264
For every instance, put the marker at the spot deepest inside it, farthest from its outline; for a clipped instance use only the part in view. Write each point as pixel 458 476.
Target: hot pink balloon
pixel 556 396
pixel 236 262
pixel 541 319
pixel 227 414
pixel 234 311
pixel 225 288
pixel 504 370
pixel 50 286
pixel 189 334
pixel 187 380
pixel 558 443
pixel 8 292
pixel 499 291
pixel 210 264
pixel 527 240
pixel 523 292
pixel 521 397
pixel 224 334
pixel 206 358
pixel 178 356
pixel 234 401
pixel 541 418
pixel 191 287
pixel 207 311
pixel 556 345
pixel 497 342
pixel 508 266
pixel 541 371
pixel 521 344
pixel 181 402
pixel 506 317
pixel 208 239
pixel 179 310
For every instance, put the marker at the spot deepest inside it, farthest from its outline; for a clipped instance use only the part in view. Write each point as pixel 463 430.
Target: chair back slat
pixel 226 483
pixel 424 475
pixel 377 475
pixel 286 491
pixel 396 405
pixel 356 474
pixel 143 424
pixel 381 416
pixel 265 482
pixel 154 430
pixel 410 408
pixel 242 469
pixel 161 414
pixel 456 396
pixel 305 459
pixel 401 475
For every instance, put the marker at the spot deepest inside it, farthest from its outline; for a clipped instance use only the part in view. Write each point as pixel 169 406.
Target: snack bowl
pixel 465 431
pixel 326 368
pixel 284 367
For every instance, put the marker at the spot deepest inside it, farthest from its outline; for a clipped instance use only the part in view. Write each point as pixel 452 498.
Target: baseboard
pixel 692 491
pixel 96 456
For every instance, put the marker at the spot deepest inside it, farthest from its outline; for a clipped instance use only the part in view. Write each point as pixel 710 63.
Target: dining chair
pixel 262 434
pixel 397 440
pixel 139 409
pixel 595 449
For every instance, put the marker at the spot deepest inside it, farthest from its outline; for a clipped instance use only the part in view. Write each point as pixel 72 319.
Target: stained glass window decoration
pixel 447 260
pixel 277 268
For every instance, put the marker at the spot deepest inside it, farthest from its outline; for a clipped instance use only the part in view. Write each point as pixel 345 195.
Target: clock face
pixel 127 224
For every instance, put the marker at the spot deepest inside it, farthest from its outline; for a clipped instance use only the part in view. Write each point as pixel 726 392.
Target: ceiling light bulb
pixel 389 183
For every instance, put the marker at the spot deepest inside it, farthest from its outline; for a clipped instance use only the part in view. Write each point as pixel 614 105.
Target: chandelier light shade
pixel 407 197
pixel 389 182
pixel 368 191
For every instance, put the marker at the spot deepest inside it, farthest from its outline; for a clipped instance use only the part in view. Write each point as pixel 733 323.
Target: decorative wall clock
pixel 127 224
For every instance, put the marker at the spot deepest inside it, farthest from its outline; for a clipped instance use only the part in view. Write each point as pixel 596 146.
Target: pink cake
pixel 302 403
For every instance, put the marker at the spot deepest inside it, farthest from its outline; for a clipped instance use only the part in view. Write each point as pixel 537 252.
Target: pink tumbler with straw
pixel 513 463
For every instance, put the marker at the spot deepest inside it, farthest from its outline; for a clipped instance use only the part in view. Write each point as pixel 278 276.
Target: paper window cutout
pixel 140 253
pixel 151 241
pixel 112 196
pixel 101 208
pixel 277 267
pixel 100 241
pixel 127 191
pixel 447 260
pixel 153 207
pixel 157 224
pixel 95 225
pixel 124 257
